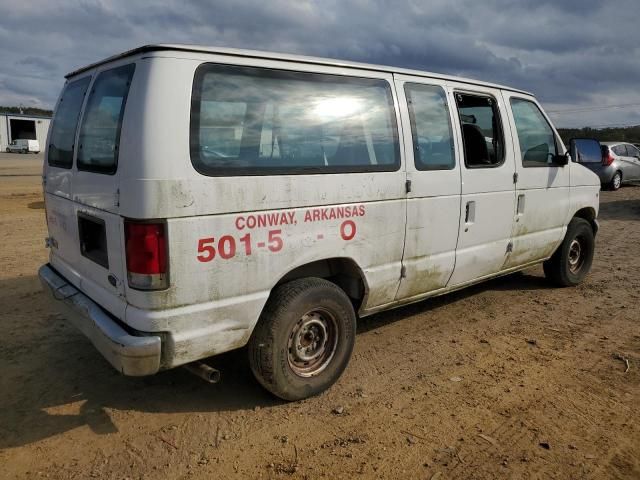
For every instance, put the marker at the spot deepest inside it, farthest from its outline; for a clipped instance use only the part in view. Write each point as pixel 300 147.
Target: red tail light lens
pixel 146 250
pixel 607 158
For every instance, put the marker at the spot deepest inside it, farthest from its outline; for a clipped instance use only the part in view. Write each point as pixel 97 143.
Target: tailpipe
pixel 204 371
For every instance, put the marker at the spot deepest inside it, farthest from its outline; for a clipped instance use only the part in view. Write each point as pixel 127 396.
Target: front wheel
pixel 572 261
pixel 304 338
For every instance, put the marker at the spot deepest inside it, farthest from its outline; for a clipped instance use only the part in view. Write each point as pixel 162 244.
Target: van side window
pixel 65 123
pixel 430 127
pixel 481 130
pixel 247 121
pixel 99 138
pixel 535 135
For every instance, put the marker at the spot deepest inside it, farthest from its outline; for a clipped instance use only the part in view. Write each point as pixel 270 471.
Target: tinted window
pixel 249 121
pixel 481 130
pixel 430 127
pixel 535 135
pixel 65 123
pixel 100 132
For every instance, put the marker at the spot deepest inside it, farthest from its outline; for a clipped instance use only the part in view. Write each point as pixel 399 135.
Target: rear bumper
pixel 129 354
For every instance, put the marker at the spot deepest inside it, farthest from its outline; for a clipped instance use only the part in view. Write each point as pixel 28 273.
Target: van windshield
pixel 65 123
pixel 250 120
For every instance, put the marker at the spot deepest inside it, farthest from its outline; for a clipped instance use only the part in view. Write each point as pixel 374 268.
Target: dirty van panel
pixel 290 143
pixel 85 233
pixel 433 167
pixel 542 189
pixel 268 141
pixel 487 206
pixel 86 246
pixel 225 257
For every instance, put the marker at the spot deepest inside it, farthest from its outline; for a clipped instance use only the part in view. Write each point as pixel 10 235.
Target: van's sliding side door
pixel 433 176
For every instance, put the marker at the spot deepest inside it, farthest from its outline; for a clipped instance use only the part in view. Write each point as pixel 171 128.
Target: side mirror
pixel 585 150
pixel 561 160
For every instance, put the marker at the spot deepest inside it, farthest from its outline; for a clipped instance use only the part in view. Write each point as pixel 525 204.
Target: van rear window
pixel 251 121
pixel 99 138
pixel 65 123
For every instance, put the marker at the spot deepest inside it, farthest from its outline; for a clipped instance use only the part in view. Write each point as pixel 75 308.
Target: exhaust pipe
pixel 204 371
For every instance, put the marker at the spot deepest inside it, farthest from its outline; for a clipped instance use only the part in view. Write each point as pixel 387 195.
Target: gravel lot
pixel 509 379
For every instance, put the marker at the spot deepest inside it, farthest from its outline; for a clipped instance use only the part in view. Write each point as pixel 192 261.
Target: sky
pixel 581 58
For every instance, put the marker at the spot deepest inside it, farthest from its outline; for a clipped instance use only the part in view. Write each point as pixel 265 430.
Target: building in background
pixel 15 126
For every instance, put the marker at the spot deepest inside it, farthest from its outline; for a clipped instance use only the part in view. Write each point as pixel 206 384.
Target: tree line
pixel 42 112
pixel 611 134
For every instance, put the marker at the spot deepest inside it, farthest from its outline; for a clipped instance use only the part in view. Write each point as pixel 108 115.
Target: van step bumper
pixel 129 354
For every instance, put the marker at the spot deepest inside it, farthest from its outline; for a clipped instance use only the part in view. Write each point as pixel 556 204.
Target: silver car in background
pixel 618 162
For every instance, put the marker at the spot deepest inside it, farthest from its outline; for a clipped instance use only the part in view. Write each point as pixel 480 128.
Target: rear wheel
pixel 304 338
pixel 572 261
pixel 616 181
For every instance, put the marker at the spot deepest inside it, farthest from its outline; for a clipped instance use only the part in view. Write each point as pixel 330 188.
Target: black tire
pixel 571 263
pixel 309 311
pixel 616 181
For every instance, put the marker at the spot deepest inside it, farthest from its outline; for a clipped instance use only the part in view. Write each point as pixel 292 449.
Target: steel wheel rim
pixel 312 343
pixel 576 256
pixel 616 180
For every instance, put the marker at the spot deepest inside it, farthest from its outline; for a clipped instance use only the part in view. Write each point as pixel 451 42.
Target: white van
pixel 23 146
pixel 201 199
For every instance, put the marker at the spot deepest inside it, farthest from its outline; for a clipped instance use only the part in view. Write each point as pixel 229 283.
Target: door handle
pixel 470 213
pixel 520 206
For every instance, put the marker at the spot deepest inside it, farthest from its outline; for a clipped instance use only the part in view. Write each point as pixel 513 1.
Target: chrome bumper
pixel 129 354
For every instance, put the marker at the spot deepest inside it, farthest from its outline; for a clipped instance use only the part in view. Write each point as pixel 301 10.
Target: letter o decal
pixel 348 230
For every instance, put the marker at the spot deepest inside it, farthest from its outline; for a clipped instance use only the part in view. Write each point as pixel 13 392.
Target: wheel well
pixel 344 272
pixel 588 214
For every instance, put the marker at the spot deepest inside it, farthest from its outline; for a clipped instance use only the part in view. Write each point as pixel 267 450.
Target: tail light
pixel 607 158
pixel 146 250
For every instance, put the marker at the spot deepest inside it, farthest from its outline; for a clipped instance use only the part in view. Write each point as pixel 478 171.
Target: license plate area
pixel 93 239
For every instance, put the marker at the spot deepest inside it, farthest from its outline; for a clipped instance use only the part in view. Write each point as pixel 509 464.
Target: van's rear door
pixel 82 184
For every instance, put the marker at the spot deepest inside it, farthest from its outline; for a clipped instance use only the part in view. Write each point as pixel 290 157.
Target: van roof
pixel 287 57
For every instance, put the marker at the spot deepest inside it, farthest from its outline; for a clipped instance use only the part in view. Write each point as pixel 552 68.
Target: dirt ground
pixel 509 379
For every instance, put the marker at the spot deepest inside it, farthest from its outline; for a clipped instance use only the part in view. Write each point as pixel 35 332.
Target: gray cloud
pixel 571 53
